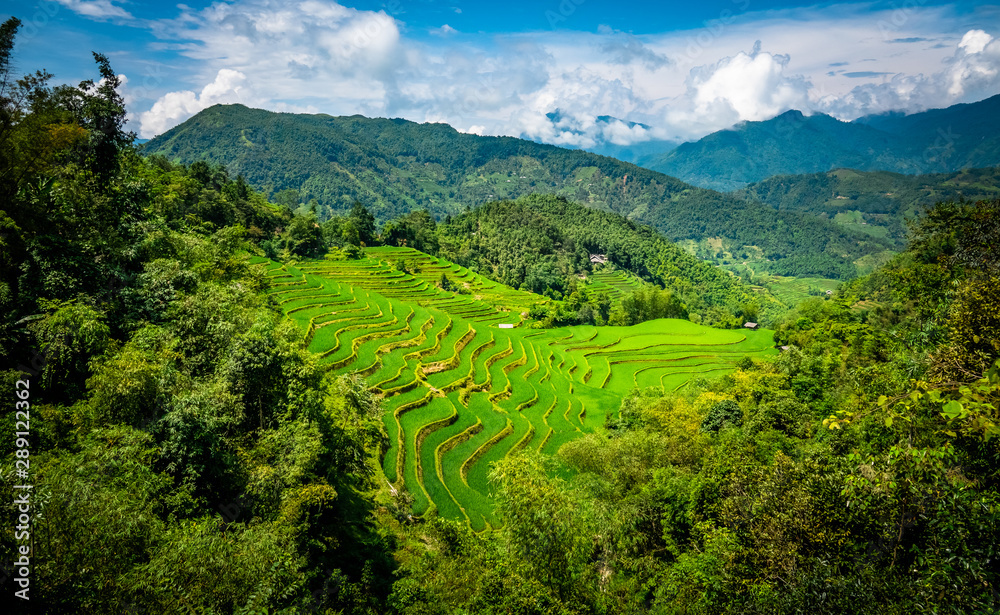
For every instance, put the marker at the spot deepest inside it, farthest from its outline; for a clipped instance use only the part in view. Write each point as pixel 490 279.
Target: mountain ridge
pixel 877 202
pixel 933 141
pixel 395 166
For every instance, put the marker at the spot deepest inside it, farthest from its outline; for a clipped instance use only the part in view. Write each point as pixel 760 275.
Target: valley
pixel 293 362
pixel 464 382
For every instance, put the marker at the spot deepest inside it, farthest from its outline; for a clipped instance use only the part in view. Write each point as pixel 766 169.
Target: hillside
pixel 543 243
pixel 874 202
pixel 935 141
pixel 393 166
pixel 213 404
pixel 396 166
pixel 459 390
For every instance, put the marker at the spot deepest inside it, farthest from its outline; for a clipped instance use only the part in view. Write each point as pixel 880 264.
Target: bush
pixel 726 413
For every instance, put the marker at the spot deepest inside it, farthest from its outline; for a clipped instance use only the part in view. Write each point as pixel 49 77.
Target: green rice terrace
pixel 617 284
pixel 464 382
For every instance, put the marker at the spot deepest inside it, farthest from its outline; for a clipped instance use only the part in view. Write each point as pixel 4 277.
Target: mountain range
pixel 874 202
pixel 395 166
pixel 936 141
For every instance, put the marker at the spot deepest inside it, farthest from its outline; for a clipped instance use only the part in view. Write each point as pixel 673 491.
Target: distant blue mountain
pixel 936 141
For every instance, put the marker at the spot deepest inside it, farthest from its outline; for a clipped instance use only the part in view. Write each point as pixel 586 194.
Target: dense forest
pixel 393 167
pixel 188 454
pixel 876 202
pixel 543 244
pixel 935 141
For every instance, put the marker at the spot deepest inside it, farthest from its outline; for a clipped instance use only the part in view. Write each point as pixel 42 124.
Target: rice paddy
pixel 458 390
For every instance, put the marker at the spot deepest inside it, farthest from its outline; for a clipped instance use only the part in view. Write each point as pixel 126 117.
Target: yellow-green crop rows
pixel 617 284
pixel 460 392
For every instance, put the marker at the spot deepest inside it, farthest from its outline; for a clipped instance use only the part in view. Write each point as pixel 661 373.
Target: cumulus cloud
pixel 622 48
pixel 567 88
pixel 96 9
pixel 349 61
pixel 976 65
pixel 582 108
pixel 581 130
pixel 971 73
pixel 175 107
pixel 444 30
pixel 314 49
pixel 745 87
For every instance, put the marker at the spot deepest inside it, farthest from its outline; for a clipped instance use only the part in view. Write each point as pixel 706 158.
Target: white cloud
pixel 96 9
pixel 975 41
pixel 444 30
pixel 321 55
pixel 971 73
pixel 623 48
pixel 975 66
pixel 748 86
pixel 566 108
pixel 173 108
pixel 313 50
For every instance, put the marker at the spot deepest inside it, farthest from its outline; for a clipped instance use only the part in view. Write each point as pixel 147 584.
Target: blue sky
pixel 679 70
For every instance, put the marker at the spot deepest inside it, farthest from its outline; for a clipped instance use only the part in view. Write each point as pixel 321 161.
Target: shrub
pixel 726 413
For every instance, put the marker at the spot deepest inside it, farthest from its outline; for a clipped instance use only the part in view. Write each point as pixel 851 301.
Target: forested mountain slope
pixel 396 166
pixel 935 141
pixel 185 452
pixel 875 202
pixel 542 242
pixel 189 452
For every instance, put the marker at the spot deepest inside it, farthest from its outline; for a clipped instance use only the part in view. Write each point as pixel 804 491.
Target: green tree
pixel 70 337
pixel 364 223
pixel 726 413
pixel 546 526
pixel 304 237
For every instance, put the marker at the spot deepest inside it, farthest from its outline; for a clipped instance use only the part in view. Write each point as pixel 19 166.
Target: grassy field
pixel 617 284
pixel 791 291
pixel 458 391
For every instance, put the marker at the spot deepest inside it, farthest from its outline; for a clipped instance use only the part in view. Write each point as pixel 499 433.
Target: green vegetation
pixel 229 407
pixel 544 244
pixel 877 202
pixel 937 141
pixel 186 453
pixel 792 291
pixel 480 393
pixel 324 164
pixel 854 473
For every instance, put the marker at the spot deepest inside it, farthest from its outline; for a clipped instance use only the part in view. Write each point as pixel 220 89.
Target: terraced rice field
pixel 618 284
pixel 459 391
pixel 791 291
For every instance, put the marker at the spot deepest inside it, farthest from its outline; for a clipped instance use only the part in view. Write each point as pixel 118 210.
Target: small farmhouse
pixel 751 325
pixel 598 259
